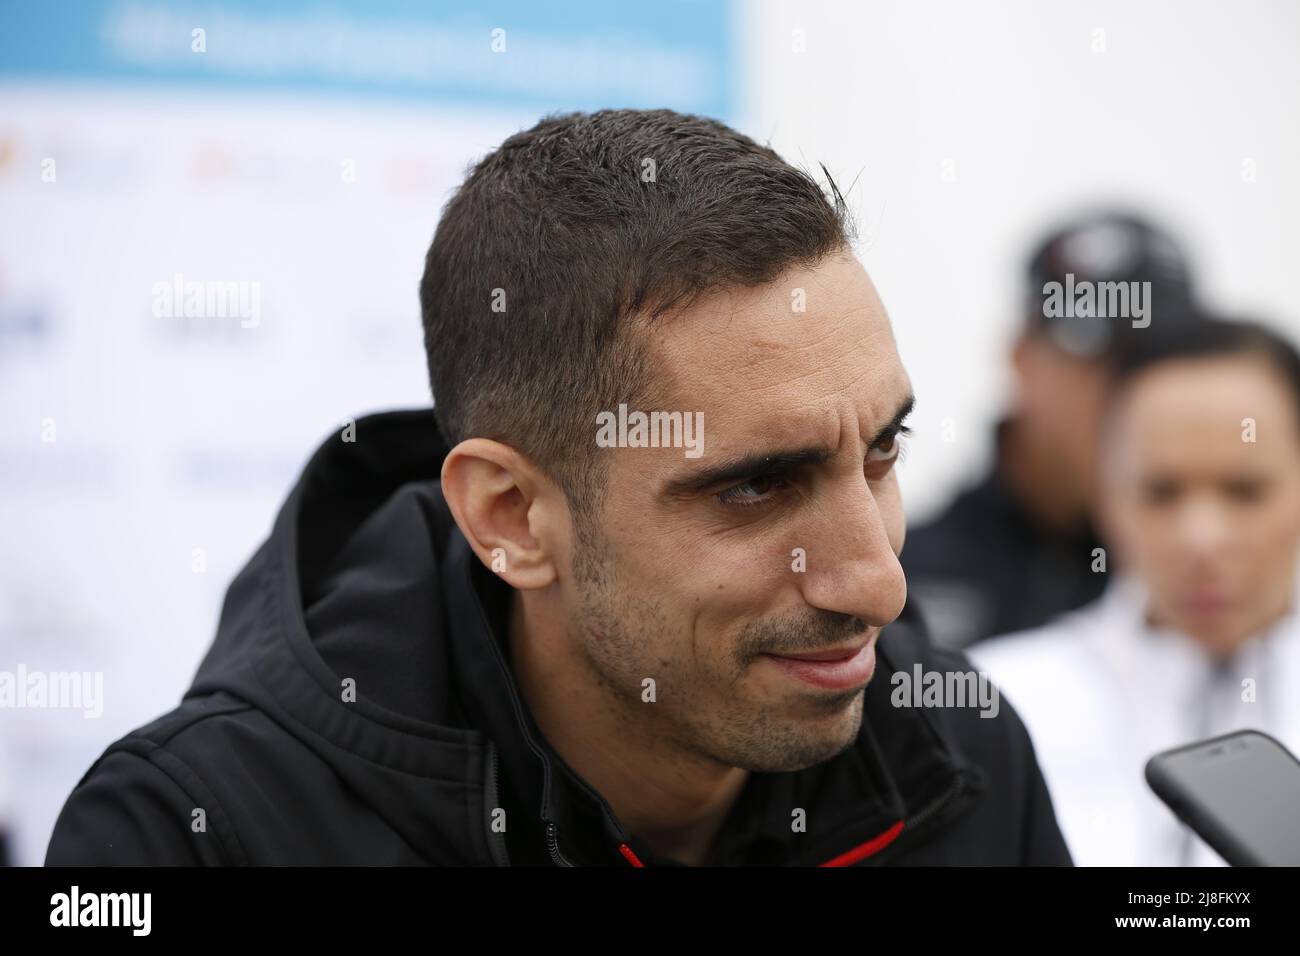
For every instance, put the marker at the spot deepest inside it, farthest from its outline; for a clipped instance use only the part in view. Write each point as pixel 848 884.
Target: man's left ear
pixel 502 502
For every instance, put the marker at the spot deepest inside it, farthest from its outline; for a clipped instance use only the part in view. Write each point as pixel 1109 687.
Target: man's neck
pixel 675 804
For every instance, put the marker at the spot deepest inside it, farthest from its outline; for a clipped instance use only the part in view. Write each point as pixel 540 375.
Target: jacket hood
pixel 365 628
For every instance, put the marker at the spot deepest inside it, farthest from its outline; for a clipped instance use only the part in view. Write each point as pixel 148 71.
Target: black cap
pixel 1109 246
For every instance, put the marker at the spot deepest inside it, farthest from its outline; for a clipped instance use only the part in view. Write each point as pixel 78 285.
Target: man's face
pixel 1058 404
pixel 707 565
pixel 1205 508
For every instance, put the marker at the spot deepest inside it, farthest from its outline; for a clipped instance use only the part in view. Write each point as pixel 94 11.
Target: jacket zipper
pixel 496 840
pixel 553 845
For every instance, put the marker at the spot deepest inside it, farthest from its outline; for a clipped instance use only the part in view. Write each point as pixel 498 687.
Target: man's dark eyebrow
pixel 896 423
pixel 748 466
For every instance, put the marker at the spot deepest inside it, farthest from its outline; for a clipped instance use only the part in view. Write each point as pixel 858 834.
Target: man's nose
pixel 851 565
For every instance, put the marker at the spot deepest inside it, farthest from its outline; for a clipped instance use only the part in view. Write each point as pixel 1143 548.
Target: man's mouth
pixel 835 669
pixel 834 654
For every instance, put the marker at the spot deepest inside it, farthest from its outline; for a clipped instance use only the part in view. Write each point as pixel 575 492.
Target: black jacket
pixel 366 578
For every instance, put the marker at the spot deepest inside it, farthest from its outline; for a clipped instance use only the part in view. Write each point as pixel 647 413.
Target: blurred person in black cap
pixel 1019 546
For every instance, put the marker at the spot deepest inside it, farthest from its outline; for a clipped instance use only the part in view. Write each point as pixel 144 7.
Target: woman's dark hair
pixel 1206 336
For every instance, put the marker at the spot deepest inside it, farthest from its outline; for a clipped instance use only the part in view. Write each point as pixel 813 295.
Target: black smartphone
pixel 1240 792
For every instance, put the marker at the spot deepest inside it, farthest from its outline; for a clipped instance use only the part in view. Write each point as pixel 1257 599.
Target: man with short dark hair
pixel 621 597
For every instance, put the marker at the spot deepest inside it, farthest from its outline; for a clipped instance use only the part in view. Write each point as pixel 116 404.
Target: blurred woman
pixel 1197 632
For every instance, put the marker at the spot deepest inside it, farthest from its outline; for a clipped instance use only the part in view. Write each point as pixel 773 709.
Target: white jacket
pixel 1101 692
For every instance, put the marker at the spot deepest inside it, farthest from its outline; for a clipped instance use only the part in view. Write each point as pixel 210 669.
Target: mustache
pixel 799 634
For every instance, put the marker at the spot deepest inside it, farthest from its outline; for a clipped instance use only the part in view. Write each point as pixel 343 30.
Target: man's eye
pixel 1245 490
pixel 1160 492
pixel 752 492
pixel 889 449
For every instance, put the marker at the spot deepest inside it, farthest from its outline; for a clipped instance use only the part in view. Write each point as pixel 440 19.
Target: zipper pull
pixel 553 845
pixel 629 855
